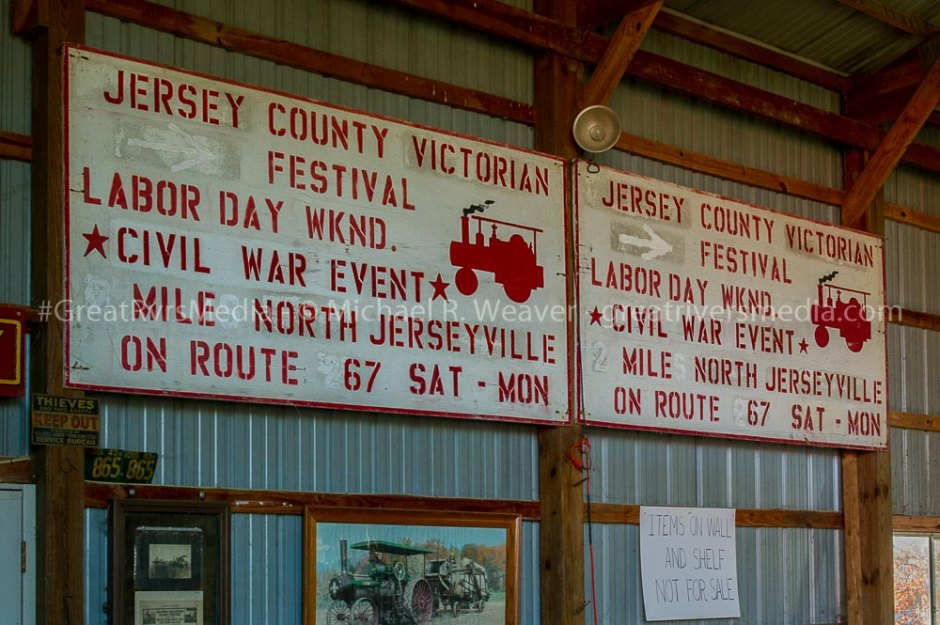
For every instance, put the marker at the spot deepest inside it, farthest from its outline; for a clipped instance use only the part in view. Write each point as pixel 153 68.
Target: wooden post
pixel 561 494
pixel 866 487
pixel 59 469
pixel 561 523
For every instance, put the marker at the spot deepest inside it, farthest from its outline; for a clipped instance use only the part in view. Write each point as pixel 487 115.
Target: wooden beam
pixel 701 163
pixel 888 14
pixel 623 45
pixel 883 108
pixel 685 27
pixel 97 495
pixel 915 319
pixel 16 471
pixel 629 514
pixel 32 316
pixel 923 524
pixel 880 96
pixel 886 107
pixel 203 30
pixel 599 12
pixel 28 15
pixel 892 148
pixel 16 146
pixel 914 421
pixel 245 501
pixel 905 74
pixel 912 217
pixel 497 18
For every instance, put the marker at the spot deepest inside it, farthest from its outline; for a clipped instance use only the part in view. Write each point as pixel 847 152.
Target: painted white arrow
pixel 655 245
pixel 192 152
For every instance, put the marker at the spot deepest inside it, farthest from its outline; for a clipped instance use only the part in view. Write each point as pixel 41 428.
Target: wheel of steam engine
pixel 338 613
pixel 466 281
pixel 518 294
pixel 480 605
pixel 418 599
pixel 398 569
pixel 364 612
pixel 455 608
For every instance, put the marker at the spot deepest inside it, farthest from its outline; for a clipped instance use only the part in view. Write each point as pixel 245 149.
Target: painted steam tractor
pixel 457 587
pixel 846 316
pixel 388 589
pixel 513 261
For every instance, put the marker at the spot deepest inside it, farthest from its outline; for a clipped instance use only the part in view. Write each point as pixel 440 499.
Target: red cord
pixel 591 539
pixel 580 456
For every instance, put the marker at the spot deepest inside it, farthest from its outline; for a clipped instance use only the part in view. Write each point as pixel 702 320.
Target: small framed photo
pixel 169 563
pixel 384 567
pixel 168 558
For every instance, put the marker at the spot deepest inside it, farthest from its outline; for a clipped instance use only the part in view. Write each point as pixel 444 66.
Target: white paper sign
pixel 703 315
pixel 688 564
pixel 179 607
pixel 229 242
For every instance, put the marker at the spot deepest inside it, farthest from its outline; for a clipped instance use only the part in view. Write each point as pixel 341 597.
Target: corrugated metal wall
pixel 15 78
pixel 799 576
pixel 913 258
pixel 786 576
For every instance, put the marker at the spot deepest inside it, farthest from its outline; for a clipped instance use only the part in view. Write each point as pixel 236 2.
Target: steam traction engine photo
pixel 386 589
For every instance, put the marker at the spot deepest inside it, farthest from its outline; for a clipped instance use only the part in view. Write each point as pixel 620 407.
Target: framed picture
pixel 169 563
pixel 386 567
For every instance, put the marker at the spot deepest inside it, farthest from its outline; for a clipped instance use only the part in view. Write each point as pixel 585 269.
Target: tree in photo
pixel 911 581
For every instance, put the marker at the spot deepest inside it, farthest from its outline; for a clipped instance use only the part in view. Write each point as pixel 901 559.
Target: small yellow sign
pixel 65 421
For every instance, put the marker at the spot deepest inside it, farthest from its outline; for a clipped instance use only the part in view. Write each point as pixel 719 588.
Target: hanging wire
pixel 580 456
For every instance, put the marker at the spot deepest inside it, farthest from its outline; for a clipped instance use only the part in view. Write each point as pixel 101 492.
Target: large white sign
pixel 703 315
pixel 226 241
pixel 688 563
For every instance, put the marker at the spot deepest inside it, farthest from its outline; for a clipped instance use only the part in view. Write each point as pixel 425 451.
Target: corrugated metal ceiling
pixel 824 31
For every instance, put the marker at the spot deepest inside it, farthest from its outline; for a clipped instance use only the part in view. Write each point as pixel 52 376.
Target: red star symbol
pixel 95 242
pixel 596 316
pixel 803 344
pixel 440 288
